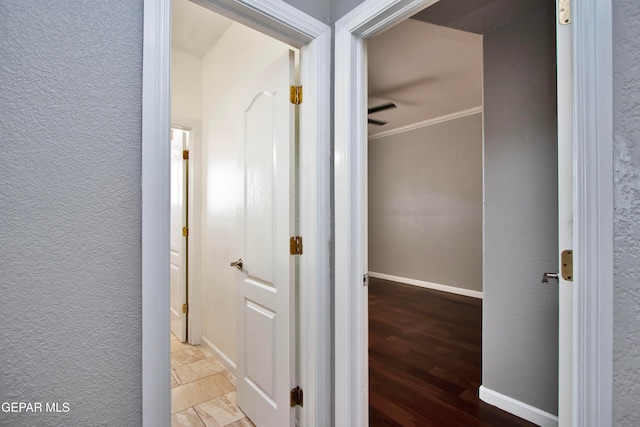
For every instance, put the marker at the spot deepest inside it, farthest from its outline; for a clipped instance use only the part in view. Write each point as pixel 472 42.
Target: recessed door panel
pixel 260 349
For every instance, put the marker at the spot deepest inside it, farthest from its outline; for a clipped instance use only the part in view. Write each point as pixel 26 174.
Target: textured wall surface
pixel 626 124
pixel 425 203
pixel 339 8
pixel 520 315
pixel 70 126
pixel 317 9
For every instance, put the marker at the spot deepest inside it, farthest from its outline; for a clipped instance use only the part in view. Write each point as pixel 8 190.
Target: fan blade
pixel 382 107
pixel 376 122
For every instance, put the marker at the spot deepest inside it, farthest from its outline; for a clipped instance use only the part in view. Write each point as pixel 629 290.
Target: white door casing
pixel 289 25
pixel 351 361
pixel 178 242
pixel 592 383
pixel 266 221
pixel 591 333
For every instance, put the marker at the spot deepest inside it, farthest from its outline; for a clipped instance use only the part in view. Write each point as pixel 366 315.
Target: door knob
pixel 238 264
pixel 547 276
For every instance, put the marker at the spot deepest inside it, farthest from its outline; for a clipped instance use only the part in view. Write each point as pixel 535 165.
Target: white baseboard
pixel 517 408
pixel 222 358
pixel 429 285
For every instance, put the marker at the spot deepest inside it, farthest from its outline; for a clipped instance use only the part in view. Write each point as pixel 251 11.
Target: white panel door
pixel 178 242
pixel 265 363
pixel 565 219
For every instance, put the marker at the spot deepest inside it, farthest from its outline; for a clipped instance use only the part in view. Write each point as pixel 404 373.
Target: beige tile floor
pixel 203 393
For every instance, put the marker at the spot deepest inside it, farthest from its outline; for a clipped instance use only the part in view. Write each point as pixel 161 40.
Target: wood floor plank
pixel 425 360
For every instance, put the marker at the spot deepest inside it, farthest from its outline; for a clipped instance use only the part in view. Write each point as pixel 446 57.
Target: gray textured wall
pixel 339 8
pixel 425 203
pixel 70 126
pixel 626 124
pixel 520 315
pixel 318 9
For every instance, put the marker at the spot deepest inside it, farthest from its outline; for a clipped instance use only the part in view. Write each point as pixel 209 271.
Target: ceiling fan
pixel 382 107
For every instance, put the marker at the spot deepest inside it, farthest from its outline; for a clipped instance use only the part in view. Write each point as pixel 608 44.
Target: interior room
pixel 462 214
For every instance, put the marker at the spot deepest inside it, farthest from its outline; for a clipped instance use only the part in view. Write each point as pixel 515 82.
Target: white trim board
pixel 156 92
pixel 517 408
pixel 428 285
pixel 285 23
pixel 593 218
pixel 425 123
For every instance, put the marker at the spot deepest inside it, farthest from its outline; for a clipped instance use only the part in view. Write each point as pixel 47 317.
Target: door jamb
pixel 285 23
pixel 593 217
pixel 593 206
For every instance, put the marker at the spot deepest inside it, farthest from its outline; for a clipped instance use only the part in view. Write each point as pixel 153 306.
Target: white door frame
pixel 194 219
pixel 285 23
pixel 593 206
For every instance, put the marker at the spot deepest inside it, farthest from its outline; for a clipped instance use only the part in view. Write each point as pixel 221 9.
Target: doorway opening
pixel 587 106
pixel 181 200
pixel 454 205
pixel 290 26
pixel 244 146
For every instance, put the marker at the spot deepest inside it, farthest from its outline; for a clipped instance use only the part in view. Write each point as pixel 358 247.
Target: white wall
pixel 239 55
pixel 186 85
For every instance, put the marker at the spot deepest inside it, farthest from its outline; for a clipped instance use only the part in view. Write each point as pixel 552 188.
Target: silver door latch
pixel 237 264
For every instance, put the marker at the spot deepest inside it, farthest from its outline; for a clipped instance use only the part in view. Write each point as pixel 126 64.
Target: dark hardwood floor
pixel 425 359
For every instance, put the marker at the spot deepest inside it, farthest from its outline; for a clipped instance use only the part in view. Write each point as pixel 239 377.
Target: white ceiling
pixel 196 29
pixel 428 71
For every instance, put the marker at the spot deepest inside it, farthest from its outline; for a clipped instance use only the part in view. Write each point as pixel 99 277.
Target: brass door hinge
pixel 296 95
pixel 185 154
pixel 185 231
pixel 564 12
pixel 567 265
pixel 296 397
pixel 295 245
pixel 185 308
